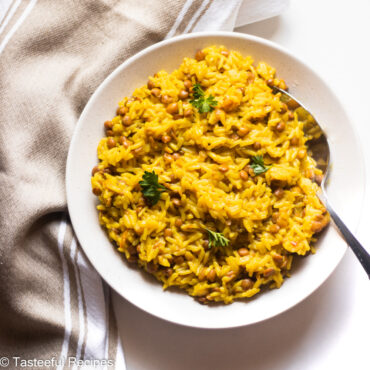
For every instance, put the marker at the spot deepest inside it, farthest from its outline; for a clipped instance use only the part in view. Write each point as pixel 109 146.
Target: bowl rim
pixel 195 35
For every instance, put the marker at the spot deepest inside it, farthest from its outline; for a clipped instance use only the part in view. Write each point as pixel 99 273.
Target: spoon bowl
pixel 319 150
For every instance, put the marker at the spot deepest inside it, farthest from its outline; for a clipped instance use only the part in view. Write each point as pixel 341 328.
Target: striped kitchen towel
pixel 54 307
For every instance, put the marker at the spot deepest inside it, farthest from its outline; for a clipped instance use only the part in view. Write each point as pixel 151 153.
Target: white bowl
pixel 346 188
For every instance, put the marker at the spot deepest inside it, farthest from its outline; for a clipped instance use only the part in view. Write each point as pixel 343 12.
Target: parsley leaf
pixel 197 91
pixel 150 187
pixel 258 165
pixel 217 239
pixel 202 103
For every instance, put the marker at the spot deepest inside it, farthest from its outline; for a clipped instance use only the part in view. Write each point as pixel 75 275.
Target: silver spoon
pixel 320 152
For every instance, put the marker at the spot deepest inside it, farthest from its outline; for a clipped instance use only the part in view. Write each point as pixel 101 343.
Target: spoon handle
pixel 362 255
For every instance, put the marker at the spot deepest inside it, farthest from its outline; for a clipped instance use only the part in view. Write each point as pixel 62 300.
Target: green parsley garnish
pixel 258 165
pixel 197 91
pixel 216 239
pixel 150 187
pixel 202 103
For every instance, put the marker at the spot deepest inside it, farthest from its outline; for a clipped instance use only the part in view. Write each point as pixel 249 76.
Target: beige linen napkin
pixel 54 308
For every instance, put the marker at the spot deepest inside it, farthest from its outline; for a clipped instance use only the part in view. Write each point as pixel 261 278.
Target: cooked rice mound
pixel 203 160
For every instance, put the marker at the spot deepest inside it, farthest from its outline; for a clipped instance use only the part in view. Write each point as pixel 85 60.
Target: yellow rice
pixel 268 218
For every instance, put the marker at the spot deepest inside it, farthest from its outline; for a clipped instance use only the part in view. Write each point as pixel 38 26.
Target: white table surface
pixel 330 329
